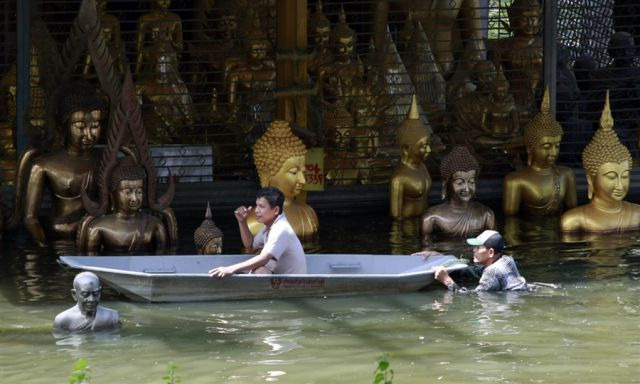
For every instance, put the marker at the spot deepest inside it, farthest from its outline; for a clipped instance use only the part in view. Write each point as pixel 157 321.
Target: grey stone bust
pixel 87 314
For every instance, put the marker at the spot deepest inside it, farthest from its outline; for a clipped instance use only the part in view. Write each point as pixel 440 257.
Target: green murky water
pixel 587 331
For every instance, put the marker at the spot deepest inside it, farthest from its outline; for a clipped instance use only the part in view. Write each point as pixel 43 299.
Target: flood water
pixel 587 330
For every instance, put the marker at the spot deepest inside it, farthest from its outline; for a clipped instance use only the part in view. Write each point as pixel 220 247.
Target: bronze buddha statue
pixel 460 216
pixel 81 111
pixel 126 228
pixel 410 181
pixel 208 237
pixel 521 55
pixel 159 25
pixel 500 116
pixel 607 163
pixel 542 188
pixel 468 110
pixel 168 109
pixel 280 160
pixel 319 28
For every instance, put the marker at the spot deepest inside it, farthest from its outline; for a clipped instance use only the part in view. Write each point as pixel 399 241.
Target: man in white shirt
pixel 281 253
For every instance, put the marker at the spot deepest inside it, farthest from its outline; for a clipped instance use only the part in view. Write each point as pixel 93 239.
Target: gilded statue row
pixel 542 188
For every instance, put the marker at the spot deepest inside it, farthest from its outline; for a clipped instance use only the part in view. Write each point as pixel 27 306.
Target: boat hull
pixel 185 278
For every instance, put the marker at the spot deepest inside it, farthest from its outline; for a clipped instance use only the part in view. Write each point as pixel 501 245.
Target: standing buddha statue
pixel 410 181
pixel 111 32
pixel 280 158
pixel 459 216
pixel 521 55
pixel 320 32
pixel 157 25
pixel 542 188
pixel 167 106
pixel 607 163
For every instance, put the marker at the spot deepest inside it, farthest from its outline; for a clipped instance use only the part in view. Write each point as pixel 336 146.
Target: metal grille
pixel 225 100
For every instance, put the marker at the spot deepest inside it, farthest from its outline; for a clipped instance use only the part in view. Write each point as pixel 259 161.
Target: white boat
pixel 185 278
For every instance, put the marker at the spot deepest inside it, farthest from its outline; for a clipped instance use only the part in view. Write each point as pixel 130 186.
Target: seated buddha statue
pixel 81 111
pixel 280 159
pixel 607 163
pixel 159 25
pixel 410 181
pixel 341 159
pixel 542 188
pixel 500 120
pixel 208 237
pixel 126 228
pixel 521 54
pixel 167 106
pixel 468 110
pixel 459 216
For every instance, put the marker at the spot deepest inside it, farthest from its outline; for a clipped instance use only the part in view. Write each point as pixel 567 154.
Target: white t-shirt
pixel 282 243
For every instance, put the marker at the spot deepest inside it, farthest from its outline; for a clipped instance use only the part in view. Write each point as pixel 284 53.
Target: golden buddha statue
pixel 208 237
pixel 341 159
pixel 521 55
pixel 607 163
pixel 126 228
pixel 167 106
pixel 111 32
pixel 249 80
pixel 460 216
pixel 81 111
pixel 279 157
pixel 319 28
pixel 159 25
pixel 338 76
pixel 410 182
pixel 542 188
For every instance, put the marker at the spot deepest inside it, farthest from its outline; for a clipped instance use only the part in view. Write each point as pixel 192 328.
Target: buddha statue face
pixel 101 6
pixel 484 73
pixel 524 18
pixel 344 47
pixel 213 247
pixel 420 149
pixel 290 178
pixel 229 26
pixel 462 186
pixel 545 153
pixel 128 196
pixel 611 182
pixel 84 129
pixel 258 50
pixel 321 36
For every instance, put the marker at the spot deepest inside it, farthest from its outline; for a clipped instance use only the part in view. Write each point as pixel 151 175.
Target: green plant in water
pixel 81 373
pixel 383 374
pixel 170 377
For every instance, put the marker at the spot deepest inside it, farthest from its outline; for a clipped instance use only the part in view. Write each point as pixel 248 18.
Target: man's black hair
pixel 274 197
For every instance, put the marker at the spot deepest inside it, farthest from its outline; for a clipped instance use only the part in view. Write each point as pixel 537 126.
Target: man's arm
pixel 251 264
pixel 241 213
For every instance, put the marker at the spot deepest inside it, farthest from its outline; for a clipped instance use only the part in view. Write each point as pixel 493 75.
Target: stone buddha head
pixel 208 237
pixel 607 162
pixel 524 17
pixel 413 136
pixel 542 136
pixel 126 186
pixel 343 38
pixel 319 27
pixel 81 111
pixel 280 158
pixel 459 171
